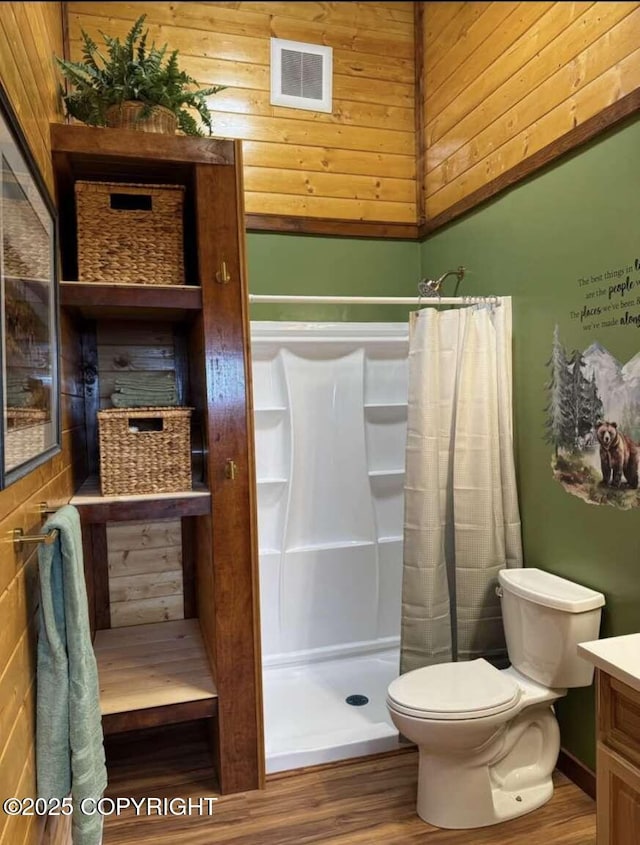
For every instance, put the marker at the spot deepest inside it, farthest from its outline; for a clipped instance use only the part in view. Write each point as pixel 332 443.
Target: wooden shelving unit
pixel 162 673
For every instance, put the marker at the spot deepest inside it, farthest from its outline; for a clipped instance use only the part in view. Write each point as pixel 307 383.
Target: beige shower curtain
pixel 462 523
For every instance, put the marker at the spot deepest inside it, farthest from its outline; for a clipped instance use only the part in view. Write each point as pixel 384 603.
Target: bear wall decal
pixel 593 423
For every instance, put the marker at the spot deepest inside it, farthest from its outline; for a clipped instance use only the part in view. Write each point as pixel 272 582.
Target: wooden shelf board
pixel 132 677
pixel 93 300
pixel 96 508
pixel 89 147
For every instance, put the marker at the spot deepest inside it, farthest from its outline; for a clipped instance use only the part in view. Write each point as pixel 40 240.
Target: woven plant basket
pixel 25 437
pixel 127 116
pixel 144 450
pixel 131 234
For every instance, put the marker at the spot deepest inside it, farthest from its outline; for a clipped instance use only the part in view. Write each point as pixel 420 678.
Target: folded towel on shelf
pixel 69 742
pixel 140 400
pixel 135 390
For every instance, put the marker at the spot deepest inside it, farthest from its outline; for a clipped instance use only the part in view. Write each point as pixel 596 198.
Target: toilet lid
pixel 454 691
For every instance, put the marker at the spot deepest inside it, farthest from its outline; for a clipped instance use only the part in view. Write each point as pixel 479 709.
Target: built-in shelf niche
pixel 272 441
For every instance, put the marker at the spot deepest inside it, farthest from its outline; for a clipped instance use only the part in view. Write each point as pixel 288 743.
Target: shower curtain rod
pixel 264 299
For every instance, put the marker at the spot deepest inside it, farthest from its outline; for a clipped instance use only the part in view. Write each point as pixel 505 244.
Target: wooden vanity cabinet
pixel 216 639
pixel 618 762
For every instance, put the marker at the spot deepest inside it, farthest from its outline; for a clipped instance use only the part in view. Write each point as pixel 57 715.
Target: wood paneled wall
pixel 30 33
pixel 504 82
pixel 145 572
pixel 357 163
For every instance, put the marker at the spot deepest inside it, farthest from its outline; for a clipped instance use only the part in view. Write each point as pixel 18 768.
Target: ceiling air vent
pixel 301 75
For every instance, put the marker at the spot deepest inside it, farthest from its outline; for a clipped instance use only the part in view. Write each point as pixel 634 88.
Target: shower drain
pixel 357 700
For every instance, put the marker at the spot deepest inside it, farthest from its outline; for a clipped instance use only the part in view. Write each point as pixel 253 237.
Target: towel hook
pixel 20 538
pixel 45 509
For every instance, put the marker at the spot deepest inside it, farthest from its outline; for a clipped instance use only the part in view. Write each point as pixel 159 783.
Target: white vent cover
pixel 301 75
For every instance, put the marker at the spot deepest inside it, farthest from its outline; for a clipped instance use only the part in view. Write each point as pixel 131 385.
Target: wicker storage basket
pixel 130 233
pixel 25 437
pixel 144 450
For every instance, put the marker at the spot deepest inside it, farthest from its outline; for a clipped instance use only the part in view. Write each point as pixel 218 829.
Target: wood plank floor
pixel 360 803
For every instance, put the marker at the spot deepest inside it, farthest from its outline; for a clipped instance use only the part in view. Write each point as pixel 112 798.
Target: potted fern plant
pixel 134 86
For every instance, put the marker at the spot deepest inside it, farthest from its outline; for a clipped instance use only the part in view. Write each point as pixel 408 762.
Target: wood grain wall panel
pixel 145 572
pixel 324 160
pixel 30 35
pixel 517 79
pixel 470 31
pixel 588 102
pixel 367 143
pixel 323 185
pixel 569 54
pixel 512 45
pixel 593 76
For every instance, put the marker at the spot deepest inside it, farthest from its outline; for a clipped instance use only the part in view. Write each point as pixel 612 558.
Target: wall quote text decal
pixel 611 298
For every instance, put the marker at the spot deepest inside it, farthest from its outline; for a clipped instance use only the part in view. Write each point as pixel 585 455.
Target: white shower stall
pixel 330 420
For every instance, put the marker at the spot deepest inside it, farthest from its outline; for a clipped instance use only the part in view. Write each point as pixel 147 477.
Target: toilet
pixel 488 738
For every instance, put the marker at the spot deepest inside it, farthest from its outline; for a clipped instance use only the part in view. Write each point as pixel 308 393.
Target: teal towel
pixel 69 742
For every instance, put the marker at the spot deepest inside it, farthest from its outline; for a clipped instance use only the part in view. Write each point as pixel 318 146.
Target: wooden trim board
pixel 418 43
pixel 231 587
pixel 330 226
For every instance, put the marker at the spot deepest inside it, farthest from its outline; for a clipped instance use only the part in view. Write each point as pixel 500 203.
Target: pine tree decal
pixel 581 399
pixel 594 404
pixel 559 425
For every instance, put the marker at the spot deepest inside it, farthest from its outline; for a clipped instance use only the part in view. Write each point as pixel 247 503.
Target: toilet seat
pixel 454 691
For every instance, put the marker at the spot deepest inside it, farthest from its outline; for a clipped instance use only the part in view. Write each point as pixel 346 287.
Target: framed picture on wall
pixel 29 333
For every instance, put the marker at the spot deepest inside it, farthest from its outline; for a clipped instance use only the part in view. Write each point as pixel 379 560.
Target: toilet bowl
pixel 488 739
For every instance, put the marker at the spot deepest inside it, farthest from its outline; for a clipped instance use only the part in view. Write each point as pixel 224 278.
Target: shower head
pixel 431 287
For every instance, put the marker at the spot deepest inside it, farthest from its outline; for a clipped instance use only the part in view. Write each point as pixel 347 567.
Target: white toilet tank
pixel 545 617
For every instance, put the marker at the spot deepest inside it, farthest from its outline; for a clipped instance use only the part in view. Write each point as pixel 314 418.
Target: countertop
pixel 617 656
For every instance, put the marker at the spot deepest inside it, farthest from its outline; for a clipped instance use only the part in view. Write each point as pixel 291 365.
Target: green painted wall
pixel 577 219
pixel 306 264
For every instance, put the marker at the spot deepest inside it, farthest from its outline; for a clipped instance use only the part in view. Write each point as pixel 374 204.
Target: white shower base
pixel 308 722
